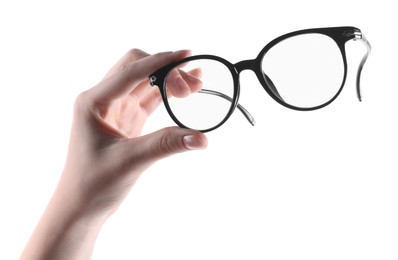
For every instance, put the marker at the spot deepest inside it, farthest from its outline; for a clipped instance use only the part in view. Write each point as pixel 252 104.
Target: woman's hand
pixel 107 154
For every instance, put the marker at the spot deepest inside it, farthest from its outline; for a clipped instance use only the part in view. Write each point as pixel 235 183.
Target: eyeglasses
pixel 302 70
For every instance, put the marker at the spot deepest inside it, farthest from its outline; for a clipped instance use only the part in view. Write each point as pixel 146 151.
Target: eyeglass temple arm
pixel 246 113
pixel 362 38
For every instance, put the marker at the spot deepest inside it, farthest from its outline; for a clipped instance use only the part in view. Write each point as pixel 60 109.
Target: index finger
pixel 123 82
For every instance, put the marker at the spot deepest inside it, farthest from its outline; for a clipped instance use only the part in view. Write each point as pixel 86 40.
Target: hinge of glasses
pixel 351 33
pixel 357 36
pixel 152 80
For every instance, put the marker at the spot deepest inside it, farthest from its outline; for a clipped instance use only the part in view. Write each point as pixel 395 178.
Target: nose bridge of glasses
pixel 245 65
pixel 251 65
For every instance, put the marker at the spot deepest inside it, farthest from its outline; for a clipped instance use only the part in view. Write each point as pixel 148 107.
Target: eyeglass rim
pixel 340 35
pixel 161 76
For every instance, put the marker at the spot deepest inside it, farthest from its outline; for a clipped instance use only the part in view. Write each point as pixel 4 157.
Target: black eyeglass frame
pixel 340 35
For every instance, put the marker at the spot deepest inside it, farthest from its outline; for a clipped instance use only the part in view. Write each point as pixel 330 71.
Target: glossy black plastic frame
pixel 339 34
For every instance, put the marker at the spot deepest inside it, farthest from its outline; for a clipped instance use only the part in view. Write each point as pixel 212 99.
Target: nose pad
pixel 271 86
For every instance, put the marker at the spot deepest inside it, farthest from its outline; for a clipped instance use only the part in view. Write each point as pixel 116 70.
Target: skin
pixel 107 153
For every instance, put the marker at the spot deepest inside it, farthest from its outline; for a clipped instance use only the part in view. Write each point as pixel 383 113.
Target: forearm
pixel 65 231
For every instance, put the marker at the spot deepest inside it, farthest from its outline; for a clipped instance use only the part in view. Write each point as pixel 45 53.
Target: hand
pixel 107 154
pixel 108 119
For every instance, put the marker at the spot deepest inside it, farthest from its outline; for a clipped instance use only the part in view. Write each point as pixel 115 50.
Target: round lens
pixel 304 71
pixel 200 93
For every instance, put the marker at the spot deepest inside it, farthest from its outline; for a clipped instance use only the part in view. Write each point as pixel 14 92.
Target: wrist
pixel 66 230
pixel 72 200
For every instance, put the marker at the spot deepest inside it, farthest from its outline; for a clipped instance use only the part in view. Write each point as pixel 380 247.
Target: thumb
pixel 166 142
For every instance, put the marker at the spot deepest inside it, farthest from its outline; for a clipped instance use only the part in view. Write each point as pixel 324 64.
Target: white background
pixel 298 185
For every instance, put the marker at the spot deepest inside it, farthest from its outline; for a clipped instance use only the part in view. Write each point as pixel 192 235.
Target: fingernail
pixel 183 88
pixel 193 79
pixel 182 51
pixel 193 143
pixel 181 83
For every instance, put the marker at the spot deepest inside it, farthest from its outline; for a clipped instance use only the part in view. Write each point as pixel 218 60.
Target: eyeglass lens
pixel 307 70
pixel 209 103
